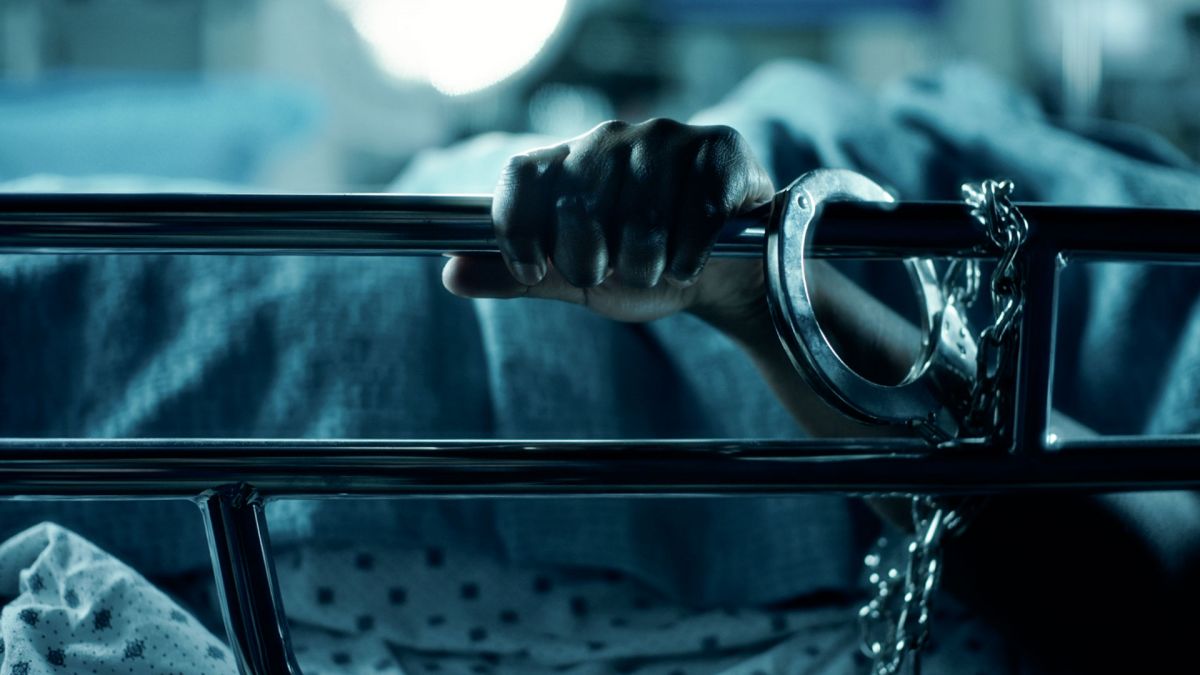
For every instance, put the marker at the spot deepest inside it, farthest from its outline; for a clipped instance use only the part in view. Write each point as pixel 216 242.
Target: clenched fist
pixel 622 219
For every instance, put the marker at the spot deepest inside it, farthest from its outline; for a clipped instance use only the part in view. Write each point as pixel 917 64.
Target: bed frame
pixel 231 480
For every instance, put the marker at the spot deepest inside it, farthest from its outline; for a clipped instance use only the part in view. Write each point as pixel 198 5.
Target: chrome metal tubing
pixel 337 468
pixel 432 225
pixel 247 586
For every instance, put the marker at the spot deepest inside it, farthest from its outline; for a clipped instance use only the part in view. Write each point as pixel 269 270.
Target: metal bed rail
pixel 363 224
pixel 232 479
pixel 323 469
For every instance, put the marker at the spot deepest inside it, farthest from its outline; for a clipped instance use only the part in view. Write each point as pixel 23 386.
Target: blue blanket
pixel 153 346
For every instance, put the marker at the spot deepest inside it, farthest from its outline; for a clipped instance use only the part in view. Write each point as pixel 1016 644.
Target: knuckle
pixel 660 132
pixel 717 149
pixel 537 163
pixel 719 164
pixel 592 170
pixel 522 193
pixel 610 128
pixel 714 208
pixel 715 200
pixel 517 172
pixel 520 178
pixel 642 162
pixel 574 206
pixel 722 136
pixel 703 163
pixel 658 129
pixel 599 137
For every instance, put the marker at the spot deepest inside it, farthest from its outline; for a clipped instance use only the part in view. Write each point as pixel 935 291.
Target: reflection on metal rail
pixel 231 479
pixel 432 225
pixel 315 469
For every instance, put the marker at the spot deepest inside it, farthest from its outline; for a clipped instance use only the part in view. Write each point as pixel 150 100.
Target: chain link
pixel 895 622
pixel 992 208
pixel 961 281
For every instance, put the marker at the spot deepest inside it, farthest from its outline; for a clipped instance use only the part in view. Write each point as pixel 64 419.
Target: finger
pixel 588 185
pixel 647 203
pixel 704 206
pixel 580 247
pixel 481 276
pixel 487 276
pixel 721 180
pixel 522 211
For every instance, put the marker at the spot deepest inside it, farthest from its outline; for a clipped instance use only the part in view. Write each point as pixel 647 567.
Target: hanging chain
pixel 992 207
pixel 895 622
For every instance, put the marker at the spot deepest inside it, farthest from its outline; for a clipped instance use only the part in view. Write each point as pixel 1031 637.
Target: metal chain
pixel 895 622
pixel 992 207
pixel 961 281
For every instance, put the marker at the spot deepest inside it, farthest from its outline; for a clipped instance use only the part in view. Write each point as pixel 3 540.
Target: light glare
pixel 458 46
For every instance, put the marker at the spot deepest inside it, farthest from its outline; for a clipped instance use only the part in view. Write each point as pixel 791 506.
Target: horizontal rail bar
pixel 174 468
pixel 429 225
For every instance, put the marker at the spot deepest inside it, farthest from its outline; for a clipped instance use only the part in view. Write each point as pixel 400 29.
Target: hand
pixel 622 220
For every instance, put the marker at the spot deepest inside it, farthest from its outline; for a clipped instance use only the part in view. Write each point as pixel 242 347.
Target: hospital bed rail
pixel 232 479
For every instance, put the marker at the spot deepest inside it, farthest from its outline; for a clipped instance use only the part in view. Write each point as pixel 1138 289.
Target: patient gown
pixel 153 346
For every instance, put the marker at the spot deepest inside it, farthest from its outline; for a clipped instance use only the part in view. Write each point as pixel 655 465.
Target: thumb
pixel 486 276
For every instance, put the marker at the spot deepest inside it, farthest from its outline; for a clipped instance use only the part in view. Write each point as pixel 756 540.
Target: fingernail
pixel 528 273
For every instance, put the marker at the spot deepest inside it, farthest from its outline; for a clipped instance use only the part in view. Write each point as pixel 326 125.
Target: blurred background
pixel 333 95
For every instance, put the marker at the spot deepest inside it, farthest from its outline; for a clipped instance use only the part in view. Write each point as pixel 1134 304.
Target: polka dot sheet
pixel 438 611
pixel 70 608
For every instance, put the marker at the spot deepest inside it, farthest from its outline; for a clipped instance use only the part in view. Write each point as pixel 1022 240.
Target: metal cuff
pixel 931 395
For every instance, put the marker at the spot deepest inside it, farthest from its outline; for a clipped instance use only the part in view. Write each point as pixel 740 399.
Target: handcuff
pixel 931 396
pixel 953 390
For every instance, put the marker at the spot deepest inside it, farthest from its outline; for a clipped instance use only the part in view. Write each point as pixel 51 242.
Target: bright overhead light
pixel 458 46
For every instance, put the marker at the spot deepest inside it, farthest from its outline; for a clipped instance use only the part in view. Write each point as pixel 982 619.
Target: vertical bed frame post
pixel 247 588
pixel 1035 365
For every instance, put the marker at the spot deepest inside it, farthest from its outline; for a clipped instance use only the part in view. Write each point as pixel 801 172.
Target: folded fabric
pixel 71 607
